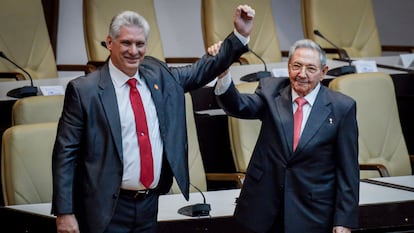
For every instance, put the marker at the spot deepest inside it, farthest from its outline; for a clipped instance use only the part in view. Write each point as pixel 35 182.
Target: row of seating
pixel 350 24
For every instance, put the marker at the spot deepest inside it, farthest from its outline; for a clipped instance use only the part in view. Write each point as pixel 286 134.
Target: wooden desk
pixel 382 209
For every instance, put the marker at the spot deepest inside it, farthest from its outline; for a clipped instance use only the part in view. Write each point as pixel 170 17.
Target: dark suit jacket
pixel 87 157
pixel 312 189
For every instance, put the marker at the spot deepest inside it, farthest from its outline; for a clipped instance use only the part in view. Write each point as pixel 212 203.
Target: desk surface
pixel 223 202
pixel 7 86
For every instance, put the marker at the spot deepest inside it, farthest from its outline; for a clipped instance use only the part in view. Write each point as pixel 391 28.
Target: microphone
pixel 24 91
pixel 196 210
pixel 257 75
pixel 343 55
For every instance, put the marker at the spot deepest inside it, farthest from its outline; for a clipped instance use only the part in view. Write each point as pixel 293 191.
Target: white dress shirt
pixel 130 147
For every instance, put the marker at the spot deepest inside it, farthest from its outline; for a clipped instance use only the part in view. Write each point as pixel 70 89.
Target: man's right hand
pixel 67 223
pixel 243 19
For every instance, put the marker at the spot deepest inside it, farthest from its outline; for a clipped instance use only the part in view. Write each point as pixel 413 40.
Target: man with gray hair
pixel 303 175
pixel 122 134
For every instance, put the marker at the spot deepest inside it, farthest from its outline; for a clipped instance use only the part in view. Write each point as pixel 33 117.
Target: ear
pixel 324 71
pixel 108 42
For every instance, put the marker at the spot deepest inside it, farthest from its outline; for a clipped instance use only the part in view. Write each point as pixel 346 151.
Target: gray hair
pixel 309 44
pixel 128 18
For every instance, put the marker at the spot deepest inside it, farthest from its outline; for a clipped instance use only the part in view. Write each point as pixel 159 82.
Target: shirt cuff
pixel 223 84
pixel 244 40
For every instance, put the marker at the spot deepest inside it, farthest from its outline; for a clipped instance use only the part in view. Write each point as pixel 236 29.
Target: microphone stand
pixel 196 210
pixel 257 75
pixel 24 91
pixel 343 56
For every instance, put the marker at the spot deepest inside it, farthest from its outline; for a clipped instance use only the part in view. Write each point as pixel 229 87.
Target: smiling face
pixel 305 70
pixel 127 49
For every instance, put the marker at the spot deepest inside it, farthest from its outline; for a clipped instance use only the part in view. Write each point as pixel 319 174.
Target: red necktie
pixel 297 121
pixel 147 169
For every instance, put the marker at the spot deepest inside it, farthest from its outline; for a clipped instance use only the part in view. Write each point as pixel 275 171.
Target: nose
pixel 302 72
pixel 133 49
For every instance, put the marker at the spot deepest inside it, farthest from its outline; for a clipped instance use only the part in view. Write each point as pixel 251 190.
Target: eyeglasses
pixel 309 70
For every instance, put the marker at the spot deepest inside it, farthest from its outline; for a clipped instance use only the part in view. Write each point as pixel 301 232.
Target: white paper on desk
pixel 365 66
pixel 52 90
pixel 407 60
pixel 280 72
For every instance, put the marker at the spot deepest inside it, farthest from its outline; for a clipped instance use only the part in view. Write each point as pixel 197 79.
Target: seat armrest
pixel 238 178
pixel 398 48
pixel 12 75
pixel 72 67
pixel 382 170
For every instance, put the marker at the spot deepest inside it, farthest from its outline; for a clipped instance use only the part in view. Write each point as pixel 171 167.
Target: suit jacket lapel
pixel 154 85
pixel 108 100
pixel 284 110
pixel 319 113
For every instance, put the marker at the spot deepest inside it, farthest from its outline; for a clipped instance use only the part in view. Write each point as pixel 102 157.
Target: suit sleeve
pixel 65 152
pixel 236 104
pixel 209 67
pixel 347 202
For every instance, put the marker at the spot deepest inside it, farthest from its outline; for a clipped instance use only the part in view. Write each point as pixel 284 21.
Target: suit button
pixel 281 187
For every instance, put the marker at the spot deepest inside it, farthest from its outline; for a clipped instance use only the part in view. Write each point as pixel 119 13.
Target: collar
pixel 311 97
pixel 119 78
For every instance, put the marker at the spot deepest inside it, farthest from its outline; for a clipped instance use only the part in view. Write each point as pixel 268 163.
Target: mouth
pixel 301 81
pixel 132 60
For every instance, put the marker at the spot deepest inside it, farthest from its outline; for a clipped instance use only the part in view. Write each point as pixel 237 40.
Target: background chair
pixel 26 159
pixel 97 15
pixel 381 141
pixel 243 133
pixel 348 24
pixel 217 18
pixel 198 176
pixel 37 109
pixel 25 41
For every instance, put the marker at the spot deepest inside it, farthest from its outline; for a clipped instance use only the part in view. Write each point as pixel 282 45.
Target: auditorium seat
pixel 26 163
pixel 97 15
pixel 381 141
pixel 349 24
pixel 37 109
pixel 217 23
pixel 25 40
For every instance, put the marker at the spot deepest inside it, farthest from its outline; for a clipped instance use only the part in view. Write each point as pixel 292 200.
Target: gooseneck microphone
pixel 196 210
pixel 24 91
pixel 257 75
pixel 343 55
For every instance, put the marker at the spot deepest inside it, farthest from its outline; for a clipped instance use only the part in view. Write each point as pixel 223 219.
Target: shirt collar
pixel 119 78
pixel 311 97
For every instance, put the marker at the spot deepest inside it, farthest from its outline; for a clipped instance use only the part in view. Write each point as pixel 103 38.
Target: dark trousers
pixel 135 216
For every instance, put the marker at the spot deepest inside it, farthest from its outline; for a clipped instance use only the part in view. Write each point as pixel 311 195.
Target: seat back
pixel 26 163
pixel 217 18
pixel 381 140
pixel 97 15
pixel 348 24
pixel 195 161
pixel 37 109
pixel 25 39
pixel 243 133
